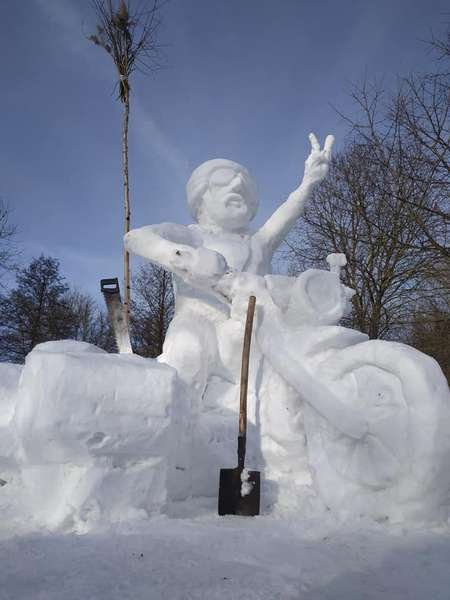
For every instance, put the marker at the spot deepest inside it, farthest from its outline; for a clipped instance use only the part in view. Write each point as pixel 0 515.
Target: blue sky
pixel 246 80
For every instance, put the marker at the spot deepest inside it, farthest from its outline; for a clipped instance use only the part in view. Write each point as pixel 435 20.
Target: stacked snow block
pixel 95 435
pixel 9 382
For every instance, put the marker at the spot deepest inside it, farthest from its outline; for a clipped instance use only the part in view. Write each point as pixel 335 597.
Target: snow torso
pixel 235 248
pixel 241 251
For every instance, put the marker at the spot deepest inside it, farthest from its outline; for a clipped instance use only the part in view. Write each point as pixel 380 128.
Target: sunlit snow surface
pixel 211 557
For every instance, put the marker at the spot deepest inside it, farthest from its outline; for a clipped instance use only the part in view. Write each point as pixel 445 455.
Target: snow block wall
pixel 95 435
pixel 9 381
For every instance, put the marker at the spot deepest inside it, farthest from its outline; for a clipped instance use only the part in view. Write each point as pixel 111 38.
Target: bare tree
pixel 42 307
pixel 408 133
pixel 360 211
pixel 90 323
pixel 430 328
pixel 413 122
pixel 441 44
pixel 7 248
pixel 153 309
pixel 422 108
pixel 35 311
pixel 129 36
pixel 385 205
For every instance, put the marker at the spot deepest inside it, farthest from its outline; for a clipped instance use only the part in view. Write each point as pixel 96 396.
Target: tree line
pixel 42 306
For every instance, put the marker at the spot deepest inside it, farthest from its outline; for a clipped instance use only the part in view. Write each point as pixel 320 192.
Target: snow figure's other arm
pixel 283 219
pixel 177 249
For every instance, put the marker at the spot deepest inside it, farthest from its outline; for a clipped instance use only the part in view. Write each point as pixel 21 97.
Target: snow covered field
pixel 209 557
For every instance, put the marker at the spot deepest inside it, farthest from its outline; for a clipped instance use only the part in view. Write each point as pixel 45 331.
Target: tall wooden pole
pixel 126 192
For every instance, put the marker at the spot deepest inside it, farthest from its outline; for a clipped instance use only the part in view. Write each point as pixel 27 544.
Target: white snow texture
pixel 335 420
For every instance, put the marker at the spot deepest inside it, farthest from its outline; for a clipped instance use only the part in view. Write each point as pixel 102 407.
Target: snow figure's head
pixel 222 193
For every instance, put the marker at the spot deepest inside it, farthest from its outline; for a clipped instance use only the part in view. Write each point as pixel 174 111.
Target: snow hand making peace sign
pixel 316 165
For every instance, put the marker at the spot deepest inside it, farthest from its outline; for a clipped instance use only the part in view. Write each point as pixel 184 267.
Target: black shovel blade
pixel 231 500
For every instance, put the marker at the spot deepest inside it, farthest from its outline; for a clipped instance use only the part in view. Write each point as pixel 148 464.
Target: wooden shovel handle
pixel 244 368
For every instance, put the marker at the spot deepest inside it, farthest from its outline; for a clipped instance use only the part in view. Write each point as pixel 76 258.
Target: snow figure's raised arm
pixel 283 219
pixel 177 249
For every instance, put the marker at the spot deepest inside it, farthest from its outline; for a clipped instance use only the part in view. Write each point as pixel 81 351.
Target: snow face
pixel 334 420
pixel 222 192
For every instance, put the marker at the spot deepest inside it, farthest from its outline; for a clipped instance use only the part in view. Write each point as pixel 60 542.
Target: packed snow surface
pixel 211 557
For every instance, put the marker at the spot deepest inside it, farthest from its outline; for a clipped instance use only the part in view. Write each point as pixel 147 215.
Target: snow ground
pixel 207 557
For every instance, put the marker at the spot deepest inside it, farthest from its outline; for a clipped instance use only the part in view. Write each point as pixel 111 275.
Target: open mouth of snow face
pixel 234 200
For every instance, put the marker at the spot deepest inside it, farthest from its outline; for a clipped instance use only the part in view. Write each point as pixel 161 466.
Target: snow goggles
pixel 224 176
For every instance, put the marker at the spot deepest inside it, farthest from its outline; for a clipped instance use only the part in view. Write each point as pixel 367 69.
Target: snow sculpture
pixel 366 421
pixel 92 435
pixel 358 426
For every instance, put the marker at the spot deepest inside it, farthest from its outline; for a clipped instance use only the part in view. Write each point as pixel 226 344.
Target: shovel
pixel 239 489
